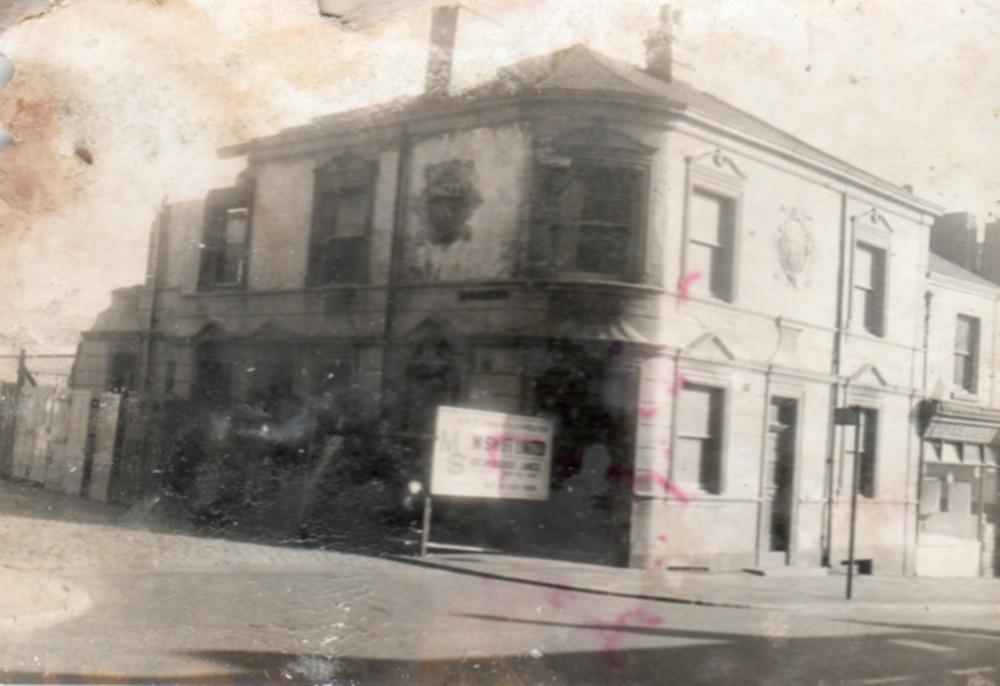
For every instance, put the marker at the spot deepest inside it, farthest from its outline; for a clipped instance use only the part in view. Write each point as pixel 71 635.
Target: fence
pixel 67 440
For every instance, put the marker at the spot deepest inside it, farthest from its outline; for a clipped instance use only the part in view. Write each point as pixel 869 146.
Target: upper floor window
pixel 121 373
pixel 869 288
pixel 589 210
pixel 966 356
pixel 225 242
pixel 699 437
pixel 341 223
pixel 715 186
pixel 596 208
pixel 711 229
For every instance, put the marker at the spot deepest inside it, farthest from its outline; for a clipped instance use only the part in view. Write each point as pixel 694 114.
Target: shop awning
pixel 951 421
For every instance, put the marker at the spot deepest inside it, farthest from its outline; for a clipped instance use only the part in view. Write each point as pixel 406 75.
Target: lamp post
pixel 852 416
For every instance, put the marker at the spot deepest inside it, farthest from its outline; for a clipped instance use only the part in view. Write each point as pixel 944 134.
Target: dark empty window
pixel 121 376
pixel 711 228
pixel 212 376
pixel 224 246
pixel 966 359
pixel 339 250
pixel 869 288
pixel 593 213
pixel 699 437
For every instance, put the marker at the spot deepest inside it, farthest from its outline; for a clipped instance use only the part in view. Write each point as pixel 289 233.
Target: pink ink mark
pixel 662 538
pixel 648 412
pixel 658 563
pixel 559 598
pixel 493 461
pixel 663 482
pixel 613 635
pixel 684 287
pixel 676 387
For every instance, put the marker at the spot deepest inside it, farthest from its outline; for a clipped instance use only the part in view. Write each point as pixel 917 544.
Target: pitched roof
pixel 939 265
pixel 580 68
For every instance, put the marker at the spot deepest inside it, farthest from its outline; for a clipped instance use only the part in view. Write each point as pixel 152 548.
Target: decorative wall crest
pixel 796 246
pixel 448 200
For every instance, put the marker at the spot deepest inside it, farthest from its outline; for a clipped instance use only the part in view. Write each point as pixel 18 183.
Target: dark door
pixel 779 476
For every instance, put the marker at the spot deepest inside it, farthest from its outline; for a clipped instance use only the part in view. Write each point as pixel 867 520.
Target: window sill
pixel 591 277
pixel 965 396
pixel 334 287
pixel 221 287
pixel 709 299
pixel 866 334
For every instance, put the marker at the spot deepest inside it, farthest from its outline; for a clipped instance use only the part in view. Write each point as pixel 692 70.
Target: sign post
pixel 852 416
pixel 479 454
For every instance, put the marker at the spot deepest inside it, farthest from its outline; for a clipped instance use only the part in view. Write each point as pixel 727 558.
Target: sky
pixel 120 105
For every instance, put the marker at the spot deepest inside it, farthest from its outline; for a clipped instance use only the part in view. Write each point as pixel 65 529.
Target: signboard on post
pixel 480 454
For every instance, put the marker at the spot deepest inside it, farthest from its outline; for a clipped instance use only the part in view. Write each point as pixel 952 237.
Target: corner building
pixel 686 290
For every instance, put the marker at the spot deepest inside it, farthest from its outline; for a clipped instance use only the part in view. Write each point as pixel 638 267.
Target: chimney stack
pixel 991 252
pixel 660 58
pixel 441 52
pixel 954 237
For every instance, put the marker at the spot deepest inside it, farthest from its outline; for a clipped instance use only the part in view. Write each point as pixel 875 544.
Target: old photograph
pixel 516 342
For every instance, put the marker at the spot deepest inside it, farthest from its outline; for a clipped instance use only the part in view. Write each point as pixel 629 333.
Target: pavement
pixel 808 592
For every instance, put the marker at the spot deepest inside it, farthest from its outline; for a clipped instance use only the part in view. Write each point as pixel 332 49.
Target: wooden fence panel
pixel 76 441
pixel 131 475
pixel 109 414
pixel 8 413
pixel 58 434
pixel 30 445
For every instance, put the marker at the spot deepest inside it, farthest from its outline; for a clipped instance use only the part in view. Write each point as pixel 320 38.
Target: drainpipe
pixel 396 245
pixel 762 487
pixel 826 545
pixel 925 379
pixel 153 279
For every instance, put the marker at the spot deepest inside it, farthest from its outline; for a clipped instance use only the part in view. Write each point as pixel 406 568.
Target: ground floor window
pixel 866 459
pixel 958 488
pixel 698 457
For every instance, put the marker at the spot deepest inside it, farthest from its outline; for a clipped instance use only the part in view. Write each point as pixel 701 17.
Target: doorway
pixel 779 479
pixel 589 394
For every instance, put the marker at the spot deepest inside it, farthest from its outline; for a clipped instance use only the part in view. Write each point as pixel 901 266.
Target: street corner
pixel 29 600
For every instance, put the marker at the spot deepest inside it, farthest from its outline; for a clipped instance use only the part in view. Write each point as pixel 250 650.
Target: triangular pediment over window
pixel 868 375
pixel 201 332
pixel 710 346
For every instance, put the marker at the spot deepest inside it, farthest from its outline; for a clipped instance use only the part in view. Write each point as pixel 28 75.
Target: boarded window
pixel 710 244
pixel 699 437
pixel 966 357
pixel 869 289
pixel 593 217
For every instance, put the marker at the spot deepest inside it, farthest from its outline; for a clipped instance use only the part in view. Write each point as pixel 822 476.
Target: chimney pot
pixel 660 47
pixel 441 52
